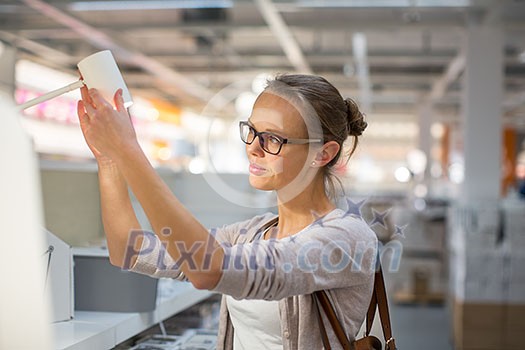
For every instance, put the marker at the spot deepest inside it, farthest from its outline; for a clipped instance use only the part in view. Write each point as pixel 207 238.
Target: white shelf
pixel 104 330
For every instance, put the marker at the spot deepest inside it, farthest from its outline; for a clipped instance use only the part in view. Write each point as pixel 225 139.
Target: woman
pixel 266 268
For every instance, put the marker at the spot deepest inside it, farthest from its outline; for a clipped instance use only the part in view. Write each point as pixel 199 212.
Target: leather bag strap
pixel 332 318
pixel 268 225
pixel 384 314
pixel 324 336
pixel 371 313
pixel 379 299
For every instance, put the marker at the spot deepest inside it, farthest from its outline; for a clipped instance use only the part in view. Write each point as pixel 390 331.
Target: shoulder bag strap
pixel 384 314
pixel 268 225
pixel 371 313
pixel 332 318
pixel 379 299
pixel 324 336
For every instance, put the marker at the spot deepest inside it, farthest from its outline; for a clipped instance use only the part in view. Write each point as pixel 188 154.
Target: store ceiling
pixel 392 59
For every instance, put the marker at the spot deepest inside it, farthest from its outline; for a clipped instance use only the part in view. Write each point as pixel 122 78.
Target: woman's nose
pixel 255 148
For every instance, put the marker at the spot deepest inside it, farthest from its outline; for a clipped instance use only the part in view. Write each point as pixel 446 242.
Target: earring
pixel 313 163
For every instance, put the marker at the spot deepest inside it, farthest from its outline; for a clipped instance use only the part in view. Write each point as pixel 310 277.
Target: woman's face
pixel 274 114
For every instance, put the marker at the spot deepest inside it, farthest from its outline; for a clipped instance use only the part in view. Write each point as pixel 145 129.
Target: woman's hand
pixel 107 131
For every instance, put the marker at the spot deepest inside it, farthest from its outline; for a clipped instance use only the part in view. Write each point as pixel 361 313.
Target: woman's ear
pixel 327 153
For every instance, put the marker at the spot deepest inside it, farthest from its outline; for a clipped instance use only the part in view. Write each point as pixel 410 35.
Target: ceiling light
pixel 384 3
pixel 197 166
pixel 417 161
pixel 402 174
pixel 148 5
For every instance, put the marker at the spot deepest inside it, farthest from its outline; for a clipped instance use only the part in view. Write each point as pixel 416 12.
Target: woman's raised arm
pixel 110 131
pixel 118 216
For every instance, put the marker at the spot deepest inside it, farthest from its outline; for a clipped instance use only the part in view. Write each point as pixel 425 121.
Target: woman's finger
pixel 82 115
pixel 85 95
pixel 89 106
pixel 90 109
pixel 98 99
pixel 87 102
pixel 119 101
pixel 80 108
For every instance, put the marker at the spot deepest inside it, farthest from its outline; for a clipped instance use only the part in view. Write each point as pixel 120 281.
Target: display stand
pixel 104 330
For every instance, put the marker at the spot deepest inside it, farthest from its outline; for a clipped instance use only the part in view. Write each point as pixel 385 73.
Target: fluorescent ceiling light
pixel 384 3
pixel 148 5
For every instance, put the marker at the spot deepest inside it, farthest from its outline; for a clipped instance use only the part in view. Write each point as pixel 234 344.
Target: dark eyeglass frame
pixel 264 137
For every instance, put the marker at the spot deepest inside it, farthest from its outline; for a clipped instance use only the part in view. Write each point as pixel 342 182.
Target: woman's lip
pixel 256 169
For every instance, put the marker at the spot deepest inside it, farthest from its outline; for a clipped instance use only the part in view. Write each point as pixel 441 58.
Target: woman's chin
pixel 261 183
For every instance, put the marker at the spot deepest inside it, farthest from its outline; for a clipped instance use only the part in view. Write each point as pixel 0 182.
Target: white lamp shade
pixel 100 71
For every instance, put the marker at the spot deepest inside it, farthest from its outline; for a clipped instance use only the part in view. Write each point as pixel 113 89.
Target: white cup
pixel 100 71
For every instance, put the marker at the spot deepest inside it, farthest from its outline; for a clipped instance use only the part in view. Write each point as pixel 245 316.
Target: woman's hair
pixel 338 117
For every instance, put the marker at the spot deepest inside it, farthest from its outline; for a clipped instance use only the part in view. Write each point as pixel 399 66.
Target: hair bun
pixel 356 119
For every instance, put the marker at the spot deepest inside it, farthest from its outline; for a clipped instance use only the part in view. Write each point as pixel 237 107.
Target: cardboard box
pixel 515 317
pixel 479 326
pixel 514 326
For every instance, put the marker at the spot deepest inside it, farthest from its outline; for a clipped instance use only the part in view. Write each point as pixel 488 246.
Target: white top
pixel 256 323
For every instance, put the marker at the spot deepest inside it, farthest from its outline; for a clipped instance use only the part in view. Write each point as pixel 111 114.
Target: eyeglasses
pixel 269 142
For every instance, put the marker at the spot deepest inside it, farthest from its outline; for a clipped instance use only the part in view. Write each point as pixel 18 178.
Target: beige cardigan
pixel 336 253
